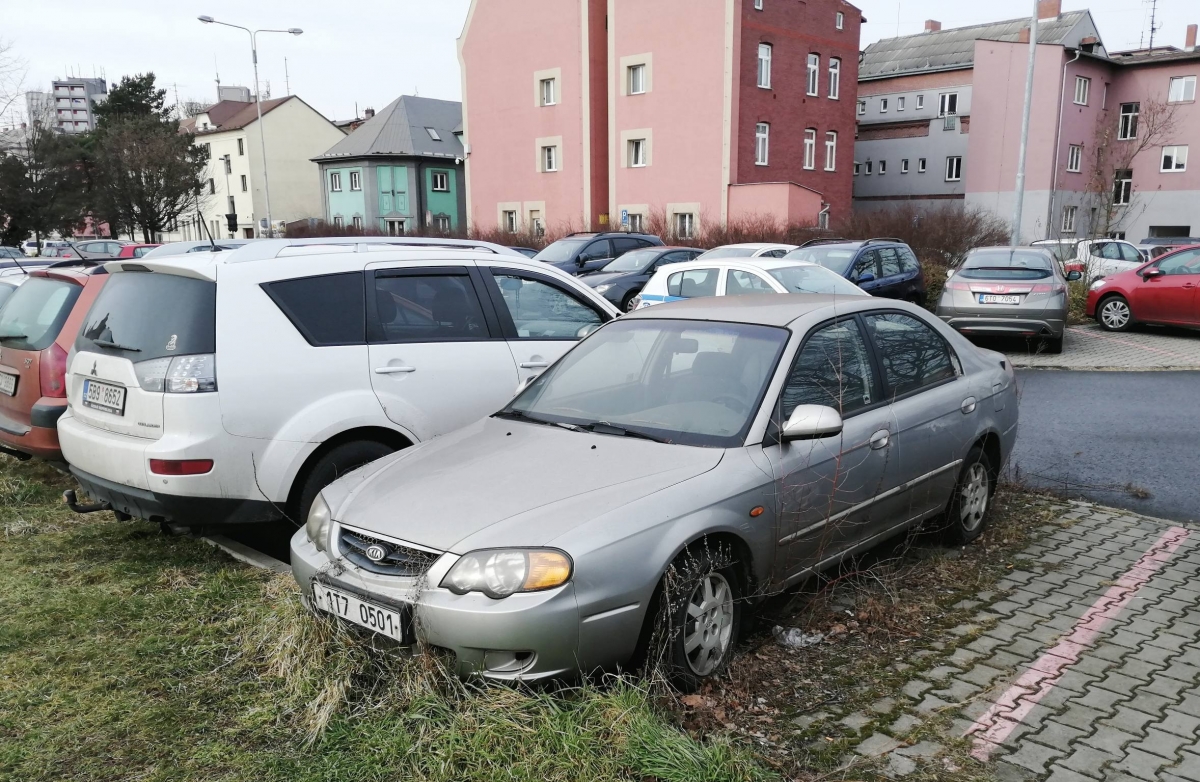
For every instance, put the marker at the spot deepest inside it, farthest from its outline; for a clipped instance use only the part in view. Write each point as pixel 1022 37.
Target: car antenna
pixel 210 239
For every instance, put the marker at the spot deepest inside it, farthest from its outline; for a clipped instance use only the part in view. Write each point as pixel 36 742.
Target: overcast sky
pixel 368 52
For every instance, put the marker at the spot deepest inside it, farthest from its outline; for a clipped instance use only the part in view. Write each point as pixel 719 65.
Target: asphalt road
pixel 1107 437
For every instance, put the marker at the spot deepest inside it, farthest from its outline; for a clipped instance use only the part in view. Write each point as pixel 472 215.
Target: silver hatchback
pixel 671 470
pixel 1009 291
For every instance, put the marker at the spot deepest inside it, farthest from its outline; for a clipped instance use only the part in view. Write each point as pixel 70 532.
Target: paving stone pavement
pixel 1087 347
pixel 1084 667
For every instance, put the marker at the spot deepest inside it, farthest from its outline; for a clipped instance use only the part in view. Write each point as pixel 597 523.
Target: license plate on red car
pixel 995 298
pixel 8 384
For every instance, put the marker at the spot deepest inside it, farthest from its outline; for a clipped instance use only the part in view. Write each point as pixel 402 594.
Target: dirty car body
pixel 670 429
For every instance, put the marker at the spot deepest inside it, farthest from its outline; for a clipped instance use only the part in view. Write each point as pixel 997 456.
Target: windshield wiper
pixel 106 343
pixel 13 336
pixel 521 415
pixel 603 427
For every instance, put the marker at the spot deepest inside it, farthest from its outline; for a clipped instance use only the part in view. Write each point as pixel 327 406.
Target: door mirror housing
pixel 1154 273
pixel 865 277
pixel 1073 275
pixel 810 422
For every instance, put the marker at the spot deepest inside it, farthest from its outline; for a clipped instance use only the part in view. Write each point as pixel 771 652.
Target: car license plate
pixel 8 384
pixel 391 622
pixel 103 396
pixel 991 298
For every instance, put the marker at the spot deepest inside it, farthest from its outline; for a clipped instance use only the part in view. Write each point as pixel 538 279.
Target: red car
pixel 136 250
pixel 1164 291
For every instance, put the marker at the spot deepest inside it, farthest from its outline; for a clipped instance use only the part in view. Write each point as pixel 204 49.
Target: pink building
pixel 606 108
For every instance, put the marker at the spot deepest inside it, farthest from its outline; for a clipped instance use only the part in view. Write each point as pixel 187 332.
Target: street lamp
pixel 262 136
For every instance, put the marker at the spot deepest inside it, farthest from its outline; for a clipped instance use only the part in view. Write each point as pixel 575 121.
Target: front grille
pixel 398 559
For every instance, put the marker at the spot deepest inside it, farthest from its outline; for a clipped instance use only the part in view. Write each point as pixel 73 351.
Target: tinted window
pixel 428 308
pixel 542 311
pixel 867 263
pixel 326 310
pixel 624 245
pixel 738 282
pixel 693 283
pixel 34 314
pixel 596 251
pixel 1007 265
pixel 889 261
pixel 833 369
pixel 913 354
pixel 154 315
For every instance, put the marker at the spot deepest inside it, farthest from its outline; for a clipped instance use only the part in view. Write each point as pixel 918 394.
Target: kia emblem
pixel 376 552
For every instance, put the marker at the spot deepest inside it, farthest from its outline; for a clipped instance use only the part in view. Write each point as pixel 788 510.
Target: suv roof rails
pixel 266 249
pixel 828 240
pixel 883 239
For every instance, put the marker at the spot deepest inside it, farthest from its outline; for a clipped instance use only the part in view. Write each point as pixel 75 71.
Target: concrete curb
pixel 243 553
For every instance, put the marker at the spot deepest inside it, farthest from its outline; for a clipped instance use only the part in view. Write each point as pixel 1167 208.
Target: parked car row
pixel 654 477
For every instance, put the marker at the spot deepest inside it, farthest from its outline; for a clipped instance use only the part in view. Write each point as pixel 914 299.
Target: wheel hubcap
pixel 1115 314
pixel 708 627
pixel 974 497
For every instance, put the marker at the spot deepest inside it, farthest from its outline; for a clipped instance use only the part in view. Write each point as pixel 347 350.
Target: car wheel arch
pixel 374 434
pixel 991 445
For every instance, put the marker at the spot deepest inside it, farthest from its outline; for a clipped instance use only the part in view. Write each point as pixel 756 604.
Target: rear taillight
pixel 956 285
pixel 181 466
pixel 178 374
pixel 52 370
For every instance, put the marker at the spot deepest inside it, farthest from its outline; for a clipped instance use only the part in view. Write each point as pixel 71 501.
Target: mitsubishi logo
pixel 376 552
pixel 94 369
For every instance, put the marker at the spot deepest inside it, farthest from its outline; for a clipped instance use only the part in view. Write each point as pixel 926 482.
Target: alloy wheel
pixel 708 627
pixel 974 497
pixel 1115 314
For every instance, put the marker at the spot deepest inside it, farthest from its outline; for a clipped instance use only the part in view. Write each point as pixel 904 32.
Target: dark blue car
pixel 580 253
pixel 881 267
pixel 624 278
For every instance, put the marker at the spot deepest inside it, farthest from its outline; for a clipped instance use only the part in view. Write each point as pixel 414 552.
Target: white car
pixel 747 250
pixel 736 277
pixel 1096 258
pixel 183 248
pixel 232 387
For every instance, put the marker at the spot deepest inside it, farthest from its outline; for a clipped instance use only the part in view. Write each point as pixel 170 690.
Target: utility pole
pixel 287 82
pixel 1020 189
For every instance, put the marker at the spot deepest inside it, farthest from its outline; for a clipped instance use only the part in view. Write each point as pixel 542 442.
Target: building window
pixel 440 181
pixel 762 141
pixel 1082 86
pixel 904 165
pixel 1174 158
pixel 758 5
pixel 228 164
pixel 394 227
pixel 635 222
pixel 535 222
pixel 1122 186
pixel 883 105
pixel 870 168
pixel 810 148
pixel 839 21
pixel 831 151
pixel 637 79
pixel 899 104
pixel 548 92
pixel 1075 158
pixel 1129 121
pixel 1068 221
pixel 356 180
pixel 920 165
pixel 882 167
pixel 685 225
pixel 862 107
pixel 241 147
pixel 1182 89
pixel 953 168
pixel 814 65
pixel 835 77
pixel 764 66
pixel 212 187
pixel 920 102
pixel 549 159
pixel 441 223
pixel 637 153
pixel 508 221
pixel 357 222
pixel 338 222
pixel 947 105
pixel 335 182
pixel 433 134
pixel 244 188
pixel 857 168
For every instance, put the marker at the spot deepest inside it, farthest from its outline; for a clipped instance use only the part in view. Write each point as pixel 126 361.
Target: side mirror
pixel 1151 274
pixel 811 421
pixel 868 277
pixel 1072 276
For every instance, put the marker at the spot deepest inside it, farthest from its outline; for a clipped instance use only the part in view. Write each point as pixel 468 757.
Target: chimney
pixel 1023 36
pixel 1049 9
pixel 1190 44
pixel 368 113
pixel 932 26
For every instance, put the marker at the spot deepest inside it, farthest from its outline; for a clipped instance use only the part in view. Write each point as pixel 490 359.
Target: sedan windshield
pixel 560 252
pixel 814 279
pixel 1007 265
pixel 687 382
pixel 633 261
pixel 833 258
pixel 727 252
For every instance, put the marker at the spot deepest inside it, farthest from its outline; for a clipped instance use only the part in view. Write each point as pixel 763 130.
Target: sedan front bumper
pixel 521 637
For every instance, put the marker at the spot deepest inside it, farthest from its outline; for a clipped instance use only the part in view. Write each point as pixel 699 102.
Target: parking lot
pixel 1088 347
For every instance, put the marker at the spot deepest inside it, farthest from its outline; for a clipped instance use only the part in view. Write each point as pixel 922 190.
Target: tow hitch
pixel 73 503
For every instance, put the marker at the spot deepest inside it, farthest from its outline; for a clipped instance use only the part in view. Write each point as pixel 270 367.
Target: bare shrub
pixel 941 235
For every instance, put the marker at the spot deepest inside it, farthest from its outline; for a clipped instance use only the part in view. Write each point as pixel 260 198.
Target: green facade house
pixel 400 171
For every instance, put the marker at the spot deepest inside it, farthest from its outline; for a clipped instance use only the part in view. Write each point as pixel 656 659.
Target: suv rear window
pixel 35 313
pixel 326 310
pixel 151 315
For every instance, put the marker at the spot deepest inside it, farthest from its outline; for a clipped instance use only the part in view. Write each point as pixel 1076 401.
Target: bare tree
pixel 190 107
pixel 12 76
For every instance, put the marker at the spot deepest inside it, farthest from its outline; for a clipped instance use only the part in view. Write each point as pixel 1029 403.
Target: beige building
pixel 235 182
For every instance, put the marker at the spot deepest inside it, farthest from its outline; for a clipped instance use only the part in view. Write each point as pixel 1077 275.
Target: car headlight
pixel 317 525
pixel 1098 284
pixel 602 288
pixel 501 572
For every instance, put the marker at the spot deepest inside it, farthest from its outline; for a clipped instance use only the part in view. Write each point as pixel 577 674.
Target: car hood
pixel 601 278
pixel 507 483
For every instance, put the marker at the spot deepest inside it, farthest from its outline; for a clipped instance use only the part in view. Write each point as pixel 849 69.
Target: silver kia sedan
pixel 669 472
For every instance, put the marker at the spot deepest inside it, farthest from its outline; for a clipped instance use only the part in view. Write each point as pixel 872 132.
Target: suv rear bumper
pixel 192 511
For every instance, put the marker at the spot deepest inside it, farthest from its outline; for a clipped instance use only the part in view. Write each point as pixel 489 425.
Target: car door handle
pixel 393 370
pixel 1189 285
pixel 880 439
pixel 534 364
pixel 968 405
